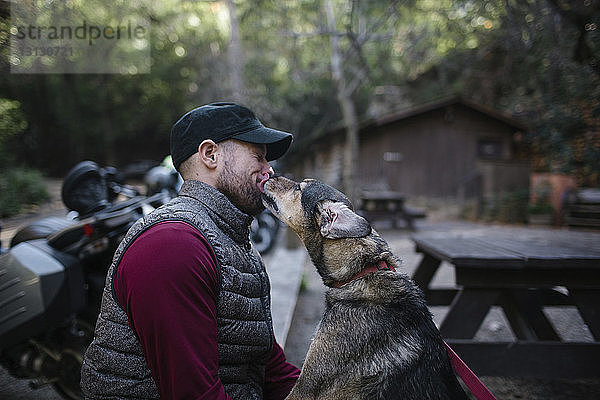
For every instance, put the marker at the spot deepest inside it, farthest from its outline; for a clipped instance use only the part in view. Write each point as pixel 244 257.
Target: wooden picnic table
pixel 522 272
pixel 386 204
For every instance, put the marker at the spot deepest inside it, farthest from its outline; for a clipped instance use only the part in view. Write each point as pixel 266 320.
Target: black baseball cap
pixel 222 121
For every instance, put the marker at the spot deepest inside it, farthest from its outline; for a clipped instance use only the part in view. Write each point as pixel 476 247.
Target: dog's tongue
pixel 261 184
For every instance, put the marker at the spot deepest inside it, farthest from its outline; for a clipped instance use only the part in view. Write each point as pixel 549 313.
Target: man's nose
pixel 267 169
pixel 266 172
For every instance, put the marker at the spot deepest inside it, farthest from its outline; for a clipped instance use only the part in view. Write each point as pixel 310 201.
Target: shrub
pixel 19 188
pixel 506 207
pixel 540 208
pixel 513 207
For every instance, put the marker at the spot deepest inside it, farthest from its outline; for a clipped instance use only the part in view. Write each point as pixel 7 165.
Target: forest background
pixel 305 66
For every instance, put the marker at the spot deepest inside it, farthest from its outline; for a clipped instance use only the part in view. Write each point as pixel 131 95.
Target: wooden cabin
pixel 444 149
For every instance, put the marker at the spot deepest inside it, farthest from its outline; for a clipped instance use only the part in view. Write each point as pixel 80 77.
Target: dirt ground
pixel 53 207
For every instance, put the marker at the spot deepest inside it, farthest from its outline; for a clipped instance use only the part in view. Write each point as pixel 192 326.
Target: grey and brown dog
pixel 376 339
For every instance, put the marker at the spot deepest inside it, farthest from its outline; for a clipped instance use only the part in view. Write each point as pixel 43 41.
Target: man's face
pixel 245 166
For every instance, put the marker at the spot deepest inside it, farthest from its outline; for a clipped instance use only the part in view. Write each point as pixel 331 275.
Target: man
pixel 186 310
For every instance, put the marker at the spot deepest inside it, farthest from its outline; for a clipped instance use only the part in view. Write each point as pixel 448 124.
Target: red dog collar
pixel 380 266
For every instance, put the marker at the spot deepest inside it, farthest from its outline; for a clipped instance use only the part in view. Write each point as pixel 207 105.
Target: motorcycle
pixel 52 277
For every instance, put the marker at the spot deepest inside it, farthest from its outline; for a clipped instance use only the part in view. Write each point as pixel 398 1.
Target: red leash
pixel 468 377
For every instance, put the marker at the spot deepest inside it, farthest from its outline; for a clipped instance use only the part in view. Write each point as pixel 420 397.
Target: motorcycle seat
pixel 40 229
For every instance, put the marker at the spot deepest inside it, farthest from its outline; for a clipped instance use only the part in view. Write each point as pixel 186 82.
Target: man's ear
pixel 337 221
pixel 208 153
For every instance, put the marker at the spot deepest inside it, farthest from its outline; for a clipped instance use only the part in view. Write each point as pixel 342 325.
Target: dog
pixel 376 339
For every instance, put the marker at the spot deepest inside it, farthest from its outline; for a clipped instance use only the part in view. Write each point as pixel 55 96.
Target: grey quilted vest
pixel 114 365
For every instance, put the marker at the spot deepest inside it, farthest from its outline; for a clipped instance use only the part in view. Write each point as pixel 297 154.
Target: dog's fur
pixel 376 339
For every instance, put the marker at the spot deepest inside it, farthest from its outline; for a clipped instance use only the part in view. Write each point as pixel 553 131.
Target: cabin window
pixel 392 156
pixel 489 148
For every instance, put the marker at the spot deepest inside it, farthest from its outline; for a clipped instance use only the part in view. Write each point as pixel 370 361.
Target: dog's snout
pixel 279 183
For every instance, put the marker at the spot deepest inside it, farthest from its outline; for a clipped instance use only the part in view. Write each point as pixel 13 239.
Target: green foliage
pixel 540 208
pixel 303 283
pixel 509 207
pixel 12 120
pixel 529 64
pixel 20 188
pixel 513 207
pixel 541 199
pixel 516 56
pixel 12 123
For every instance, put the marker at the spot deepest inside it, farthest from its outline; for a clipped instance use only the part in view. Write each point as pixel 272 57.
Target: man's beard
pixel 242 194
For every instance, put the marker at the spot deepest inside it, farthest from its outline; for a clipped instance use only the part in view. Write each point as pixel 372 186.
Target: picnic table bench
pixel 522 273
pixel 388 205
pixel 582 209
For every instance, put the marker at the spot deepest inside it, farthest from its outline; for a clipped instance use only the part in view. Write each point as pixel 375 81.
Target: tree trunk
pixel 344 97
pixel 236 62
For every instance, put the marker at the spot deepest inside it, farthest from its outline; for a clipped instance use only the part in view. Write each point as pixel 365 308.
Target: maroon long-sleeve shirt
pixel 167 283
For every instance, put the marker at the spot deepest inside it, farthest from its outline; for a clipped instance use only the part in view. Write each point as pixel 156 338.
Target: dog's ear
pixel 336 221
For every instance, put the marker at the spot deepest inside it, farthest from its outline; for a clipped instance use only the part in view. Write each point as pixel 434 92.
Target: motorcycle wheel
pixel 263 232
pixel 68 382
pixel 68 379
